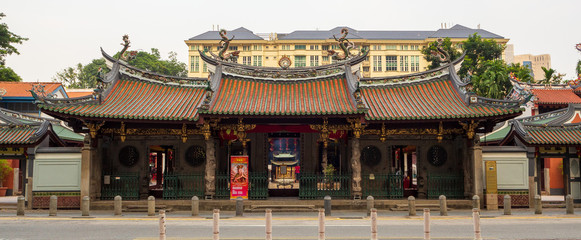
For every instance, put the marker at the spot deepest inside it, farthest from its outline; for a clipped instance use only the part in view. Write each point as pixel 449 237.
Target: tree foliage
pixel 578 68
pixel 433 60
pixel 7 41
pixel 8 75
pixel 522 73
pixel 478 51
pixel 86 76
pixel 551 76
pixel 493 82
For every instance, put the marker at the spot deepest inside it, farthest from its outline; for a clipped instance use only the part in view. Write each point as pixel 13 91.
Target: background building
pixel 535 63
pixel 391 52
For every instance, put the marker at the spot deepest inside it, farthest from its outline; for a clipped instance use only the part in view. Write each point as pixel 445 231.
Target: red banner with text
pixel 239 177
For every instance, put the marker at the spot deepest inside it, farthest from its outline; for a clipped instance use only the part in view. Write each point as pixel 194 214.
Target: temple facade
pixel 307 131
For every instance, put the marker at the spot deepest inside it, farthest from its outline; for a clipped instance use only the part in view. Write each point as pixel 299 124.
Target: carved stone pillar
pixel 90 172
pixel 210 175
pixel 324 159
pixel 477 185
pixel 356 168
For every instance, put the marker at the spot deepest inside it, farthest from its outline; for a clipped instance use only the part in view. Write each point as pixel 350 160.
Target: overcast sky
pixel 64 33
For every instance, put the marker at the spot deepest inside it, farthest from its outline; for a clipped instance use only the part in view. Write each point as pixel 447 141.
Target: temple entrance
pixel 161 162
pixel 284 164
pixel 405 164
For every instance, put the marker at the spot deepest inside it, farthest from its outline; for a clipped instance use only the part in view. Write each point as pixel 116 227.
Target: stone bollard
pixel 195 206
pixel 268 226
pixel 476 202
pixel 569 204
pixel 476 218
pixel 118 205
pixel 216 228
pixel 370 204
pixel 443 206
pixel 20 206
pixel 161 224
pixel 239 207
pixel 52 206
pixel 85 206
pixel 507 205
pixel 373 224
pixel 321 224
pixel 327 205
pixel 538 205
pixel 412 205
pixel 427 223
pixel 151 206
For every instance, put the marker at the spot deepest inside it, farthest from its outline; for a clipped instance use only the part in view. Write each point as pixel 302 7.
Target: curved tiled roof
pixel 18 135
pixel 135 99
pixel 241 96
pixel 432 99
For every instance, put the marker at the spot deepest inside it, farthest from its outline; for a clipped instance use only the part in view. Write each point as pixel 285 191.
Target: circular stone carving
pixel 437 156
pixel 128 156
pixel 575 168
pixel 370 155
pixel 195 156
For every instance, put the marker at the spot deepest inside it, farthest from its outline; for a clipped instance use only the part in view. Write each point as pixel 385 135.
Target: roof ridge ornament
pixel 442 55
pixel 224 44
pixel 345 45
pixel 125 45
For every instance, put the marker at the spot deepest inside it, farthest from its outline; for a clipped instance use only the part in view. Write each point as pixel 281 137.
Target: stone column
pixel 532 174
pixel 477 164
pixel 324 159
pixel 210 175
pixel 356 168
pixel 86 172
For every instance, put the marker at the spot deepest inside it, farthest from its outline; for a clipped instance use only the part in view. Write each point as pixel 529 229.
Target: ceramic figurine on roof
pixel 442 55
pixel 224 44
pixel 125 45
pixel 344 44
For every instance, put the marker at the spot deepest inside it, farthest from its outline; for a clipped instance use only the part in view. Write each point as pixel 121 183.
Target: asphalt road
pixel 288 227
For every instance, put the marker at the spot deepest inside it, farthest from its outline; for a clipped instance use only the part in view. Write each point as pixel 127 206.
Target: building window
pixel 326 59
pixel 414 47
pixel 257 61
pixel 366 69
pixel 207 48
pixel 376 47
pixel 246 48
pixel 390 63
pixel 314 47
pixel 300 47
pixel 300 61
pixel 247 60
pixel 403 64
pixel 325 47
pixel 377 63
pixel 390 47
pixel 257 47
pixel 194 47
pixel 285 47
pixel 314 61
pixel 334 47
pixel 204 67
pixel 195 64
pixel 404 47
pixel 233 48
pixel 415 63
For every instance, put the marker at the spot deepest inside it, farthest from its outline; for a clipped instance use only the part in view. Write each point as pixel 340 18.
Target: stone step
pixel 419 207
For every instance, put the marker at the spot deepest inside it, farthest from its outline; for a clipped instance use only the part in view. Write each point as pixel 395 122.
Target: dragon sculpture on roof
pixel 344 44
pixel 442 55
pixel 224 44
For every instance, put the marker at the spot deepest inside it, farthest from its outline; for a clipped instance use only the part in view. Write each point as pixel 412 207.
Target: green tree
pixel 493 82
pixel 550 76
pixel 8 75
pixel 7 41
pixel 81 76
pixel 578 68
pixel 522 73
pixel 152 62
pixel 433 60
pixel 478 51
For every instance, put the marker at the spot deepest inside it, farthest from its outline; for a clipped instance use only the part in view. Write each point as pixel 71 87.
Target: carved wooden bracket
pixel 94 128
pixel 469 128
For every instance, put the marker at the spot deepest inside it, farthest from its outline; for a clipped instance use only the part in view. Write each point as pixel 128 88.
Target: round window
pixel 370 155
pixel 437 156
pixel 128 156
pixel 195 156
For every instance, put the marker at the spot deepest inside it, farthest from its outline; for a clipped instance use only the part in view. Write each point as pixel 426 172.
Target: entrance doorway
pixel 552 177
pixel 284 164
pixel 161 162
pixel 405 163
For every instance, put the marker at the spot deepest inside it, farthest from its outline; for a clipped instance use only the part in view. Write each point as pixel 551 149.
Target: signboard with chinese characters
pixel 239 177
pixel 8 151
pixel 491 177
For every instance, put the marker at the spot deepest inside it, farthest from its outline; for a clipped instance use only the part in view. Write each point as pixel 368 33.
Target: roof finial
pixel 125 45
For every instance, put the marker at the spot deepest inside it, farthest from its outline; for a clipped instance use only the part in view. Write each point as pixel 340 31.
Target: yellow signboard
pixel 491 179
pixel 11 151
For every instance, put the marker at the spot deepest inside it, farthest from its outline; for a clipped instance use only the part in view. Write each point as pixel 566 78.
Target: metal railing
pixel 258 188
pixel 382 185
pixel 125 185
pixel 222 185
pixel 183 186
pixel 317 186
pixel 449 185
